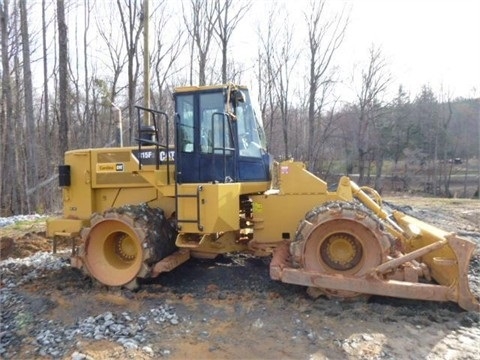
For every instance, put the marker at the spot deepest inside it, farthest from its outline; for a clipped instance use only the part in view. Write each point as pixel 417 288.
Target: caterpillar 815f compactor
pixel 201 183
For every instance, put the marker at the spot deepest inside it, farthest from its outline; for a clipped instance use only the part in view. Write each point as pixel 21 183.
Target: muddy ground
pixel 228 308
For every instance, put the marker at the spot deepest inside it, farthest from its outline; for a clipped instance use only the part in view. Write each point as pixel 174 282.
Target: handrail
pixel 224 148
pixel 155 115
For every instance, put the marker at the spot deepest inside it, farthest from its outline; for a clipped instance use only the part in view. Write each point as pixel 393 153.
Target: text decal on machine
pixel 110 167
pixel 147 157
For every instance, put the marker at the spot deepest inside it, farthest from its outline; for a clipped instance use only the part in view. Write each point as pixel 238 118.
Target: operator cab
pixel 219 136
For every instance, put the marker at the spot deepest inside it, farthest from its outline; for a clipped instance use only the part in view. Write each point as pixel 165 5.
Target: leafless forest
pixel 72 69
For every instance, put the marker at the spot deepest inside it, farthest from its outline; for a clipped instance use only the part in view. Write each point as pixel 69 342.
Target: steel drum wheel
pixel 123 244
pixel 113 252
pixel 342 238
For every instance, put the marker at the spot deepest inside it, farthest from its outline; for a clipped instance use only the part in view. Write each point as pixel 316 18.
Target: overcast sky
pixel 433 42
pixel 425 42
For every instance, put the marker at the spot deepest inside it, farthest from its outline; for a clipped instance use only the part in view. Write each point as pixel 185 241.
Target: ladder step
pixel 191 241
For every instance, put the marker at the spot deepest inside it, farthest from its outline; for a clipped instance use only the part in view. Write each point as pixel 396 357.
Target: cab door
pixel 205 150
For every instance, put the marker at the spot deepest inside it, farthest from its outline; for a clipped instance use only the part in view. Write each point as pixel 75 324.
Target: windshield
pixel 251 137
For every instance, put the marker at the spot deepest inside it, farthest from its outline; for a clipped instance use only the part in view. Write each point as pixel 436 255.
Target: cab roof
pixel 195 88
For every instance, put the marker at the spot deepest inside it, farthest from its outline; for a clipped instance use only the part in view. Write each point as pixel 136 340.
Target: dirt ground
pixel 228 308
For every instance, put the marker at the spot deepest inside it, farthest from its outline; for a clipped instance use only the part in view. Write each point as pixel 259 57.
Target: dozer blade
pixel 449 263
pixel 446 256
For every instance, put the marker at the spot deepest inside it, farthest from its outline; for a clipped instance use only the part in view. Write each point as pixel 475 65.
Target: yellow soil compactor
pixel 201 183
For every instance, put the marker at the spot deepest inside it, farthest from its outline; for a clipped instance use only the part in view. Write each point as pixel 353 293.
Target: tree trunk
pixel 20 183
pixel 378 171
pixel 88 122
pixel 31 142
pixel 224 62
pixel 8 196
pixel 46 103
pixel 132 28
pixel 202 63
pixel 324 38
pixel 63 78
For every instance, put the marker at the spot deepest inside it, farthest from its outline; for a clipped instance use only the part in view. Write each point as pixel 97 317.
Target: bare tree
pixel 87 114
pixel 325 35
pixel 284 63
pixel 63 77
pixel 8 194
pixel 117 61
pixel 267 40
pixel 168 50
pixel 444 144
pixel 77 138
pixel 375 80
pixel 132 25
pixel 278 57
pixel 18 115
pixel 31 163
pixel 201 28
pixel 228 15
pixel 107 89
pixel 46 102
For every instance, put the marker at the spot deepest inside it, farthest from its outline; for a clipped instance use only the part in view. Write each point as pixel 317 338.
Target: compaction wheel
pixel 342 238
pixel 122 244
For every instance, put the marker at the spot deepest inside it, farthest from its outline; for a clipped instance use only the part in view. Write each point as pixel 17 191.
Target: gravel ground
pixel 226 308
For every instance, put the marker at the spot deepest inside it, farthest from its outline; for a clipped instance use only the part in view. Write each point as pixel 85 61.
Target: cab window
pixel 215 133
pixel 249 131
pixel 186 129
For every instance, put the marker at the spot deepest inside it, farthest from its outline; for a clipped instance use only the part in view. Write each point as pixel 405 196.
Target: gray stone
pixel 148 350
pixel 78 356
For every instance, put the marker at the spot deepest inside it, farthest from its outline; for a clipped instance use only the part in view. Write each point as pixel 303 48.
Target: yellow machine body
pixel 102 179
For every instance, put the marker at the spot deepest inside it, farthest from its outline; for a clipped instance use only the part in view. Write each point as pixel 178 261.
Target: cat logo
pixel 119 167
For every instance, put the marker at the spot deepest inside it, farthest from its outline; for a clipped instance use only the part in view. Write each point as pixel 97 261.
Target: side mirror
pixel 237 96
